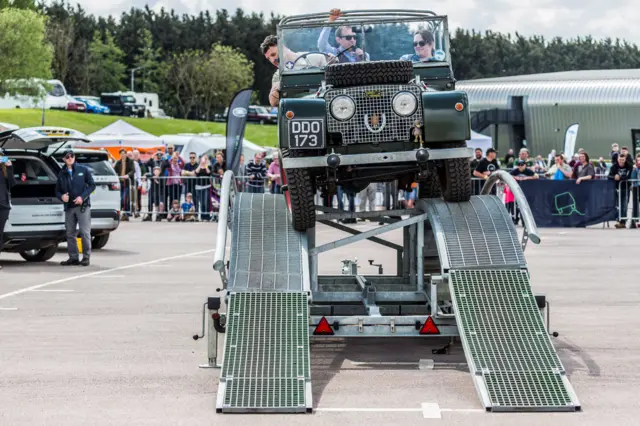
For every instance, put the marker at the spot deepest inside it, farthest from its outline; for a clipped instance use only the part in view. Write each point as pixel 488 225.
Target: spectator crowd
pixel 179 190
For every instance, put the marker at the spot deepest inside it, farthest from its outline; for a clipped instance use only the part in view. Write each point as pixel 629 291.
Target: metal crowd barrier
pixel 153 198
pixel 628 201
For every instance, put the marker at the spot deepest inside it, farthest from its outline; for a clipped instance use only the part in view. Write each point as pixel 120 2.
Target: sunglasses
pixel 68 156
pixel 419 43
pixel 349 37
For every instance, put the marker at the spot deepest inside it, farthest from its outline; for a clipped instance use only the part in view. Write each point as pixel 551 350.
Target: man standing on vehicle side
pixel 74 187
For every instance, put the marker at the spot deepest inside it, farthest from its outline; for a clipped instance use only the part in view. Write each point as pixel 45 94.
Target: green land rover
pixel 369 97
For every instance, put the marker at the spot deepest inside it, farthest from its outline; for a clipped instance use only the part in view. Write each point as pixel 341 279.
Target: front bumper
pixel 378 158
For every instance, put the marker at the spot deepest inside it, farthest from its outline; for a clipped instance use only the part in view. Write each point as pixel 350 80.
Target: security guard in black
pixel 74 187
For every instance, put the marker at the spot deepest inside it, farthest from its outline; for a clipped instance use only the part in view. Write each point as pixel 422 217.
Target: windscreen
pixel 420 42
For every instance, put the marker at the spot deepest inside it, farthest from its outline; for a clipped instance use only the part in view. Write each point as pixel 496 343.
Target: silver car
pixel 36 224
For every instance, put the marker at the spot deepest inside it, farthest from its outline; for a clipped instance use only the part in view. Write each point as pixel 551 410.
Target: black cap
pixel 520 162
pixel 67 152
pixel 490 150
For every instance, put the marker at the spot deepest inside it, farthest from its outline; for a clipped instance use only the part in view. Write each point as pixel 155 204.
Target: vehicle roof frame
pixel 363 17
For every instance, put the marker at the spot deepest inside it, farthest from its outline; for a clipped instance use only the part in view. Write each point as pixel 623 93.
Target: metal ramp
pixel 510 355
pixel 478 233
pixel 266 367
pixel 267 254
pixel 266 362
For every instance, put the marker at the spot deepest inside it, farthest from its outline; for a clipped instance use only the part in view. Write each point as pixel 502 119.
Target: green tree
pixel 149 60
pixel 223 72
pixel 60 34
pixel 182 81
pixel 19 4
pixel 25 52
pixel 106 65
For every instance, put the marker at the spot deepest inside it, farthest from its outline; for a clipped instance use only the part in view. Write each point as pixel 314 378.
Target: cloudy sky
pixel 550 18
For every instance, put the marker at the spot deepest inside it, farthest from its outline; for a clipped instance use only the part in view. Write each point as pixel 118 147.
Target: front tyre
pixel 455 180
pixel 301 198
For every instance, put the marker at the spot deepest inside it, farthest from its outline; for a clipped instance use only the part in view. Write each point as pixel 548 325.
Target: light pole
pixel 133 70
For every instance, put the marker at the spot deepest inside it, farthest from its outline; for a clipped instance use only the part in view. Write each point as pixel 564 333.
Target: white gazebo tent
pixel 123 134
pixel 212 143
pixel 481 141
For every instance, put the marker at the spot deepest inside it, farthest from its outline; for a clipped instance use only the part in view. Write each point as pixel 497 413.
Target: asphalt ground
pixel 110 344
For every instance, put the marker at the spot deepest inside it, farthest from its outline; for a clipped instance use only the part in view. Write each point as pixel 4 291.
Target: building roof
pixel 581 75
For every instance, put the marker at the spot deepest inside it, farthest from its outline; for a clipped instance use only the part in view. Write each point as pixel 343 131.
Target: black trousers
pixel 4 216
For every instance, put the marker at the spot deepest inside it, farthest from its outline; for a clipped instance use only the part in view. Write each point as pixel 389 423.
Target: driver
pixel 346 39
pixel 423 42
pixel 269 49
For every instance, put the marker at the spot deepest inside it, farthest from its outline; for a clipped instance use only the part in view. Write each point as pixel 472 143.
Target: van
pixel 105 200
pixel 36 224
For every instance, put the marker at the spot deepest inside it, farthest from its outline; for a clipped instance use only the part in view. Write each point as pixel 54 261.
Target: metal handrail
pixel 227 196
pixel 527 217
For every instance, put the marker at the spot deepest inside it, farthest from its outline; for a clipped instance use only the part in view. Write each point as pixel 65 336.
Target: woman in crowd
pixel 7 181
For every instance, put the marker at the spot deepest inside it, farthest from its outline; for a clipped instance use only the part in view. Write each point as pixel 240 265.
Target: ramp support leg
pixel 214 322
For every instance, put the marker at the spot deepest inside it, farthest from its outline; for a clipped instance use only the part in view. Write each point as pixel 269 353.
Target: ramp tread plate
pixel 266 252
pixel 478 233
pixel 506 339
pixel 266 363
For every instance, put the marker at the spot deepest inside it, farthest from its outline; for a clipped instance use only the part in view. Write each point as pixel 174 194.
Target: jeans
pixel 350 197
pixel 74 217
pixel 369 193
pixel 203 202
pixel 4 216
pixel 623 200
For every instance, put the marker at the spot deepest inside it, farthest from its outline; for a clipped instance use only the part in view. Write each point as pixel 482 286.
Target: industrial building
pixel 536 110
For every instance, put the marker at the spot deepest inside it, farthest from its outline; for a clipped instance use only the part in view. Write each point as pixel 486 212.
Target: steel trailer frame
pixel 362 305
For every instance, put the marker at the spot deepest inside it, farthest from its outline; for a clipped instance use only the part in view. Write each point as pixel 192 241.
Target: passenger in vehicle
pixel 423 43
pixel 347 51
pixel 7 181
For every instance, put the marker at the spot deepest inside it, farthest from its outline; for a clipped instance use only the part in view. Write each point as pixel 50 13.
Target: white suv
pixel 105 200
pixel 36 222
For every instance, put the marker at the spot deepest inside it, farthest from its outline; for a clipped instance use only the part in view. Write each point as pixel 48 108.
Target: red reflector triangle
pixel 429 327
pixel 323 328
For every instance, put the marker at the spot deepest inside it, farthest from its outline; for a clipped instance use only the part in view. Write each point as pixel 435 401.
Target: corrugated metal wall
pixel 607 110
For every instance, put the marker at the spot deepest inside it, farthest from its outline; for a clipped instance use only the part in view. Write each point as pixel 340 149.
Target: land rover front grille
pixel 374 120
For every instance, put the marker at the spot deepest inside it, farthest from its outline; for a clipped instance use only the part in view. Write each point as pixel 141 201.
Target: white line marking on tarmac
pixel 429 410
pixel 108 276
pixel 50 290
pixel 372 410
pixel 8 309
pixel 105 271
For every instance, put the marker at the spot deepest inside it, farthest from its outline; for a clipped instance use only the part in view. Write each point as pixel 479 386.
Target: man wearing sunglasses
pixel 347 51
pixel 74 187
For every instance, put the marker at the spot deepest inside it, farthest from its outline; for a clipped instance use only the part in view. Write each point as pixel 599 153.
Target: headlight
pixel 404 104
pixel 343 108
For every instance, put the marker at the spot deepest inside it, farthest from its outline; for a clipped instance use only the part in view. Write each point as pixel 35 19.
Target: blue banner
pixel 236 121
pixel 566 204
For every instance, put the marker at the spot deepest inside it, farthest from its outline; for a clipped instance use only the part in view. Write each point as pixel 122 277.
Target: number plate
pixel 306 134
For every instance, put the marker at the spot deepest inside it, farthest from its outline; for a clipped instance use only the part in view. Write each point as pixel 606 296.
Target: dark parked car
pixel 124 105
